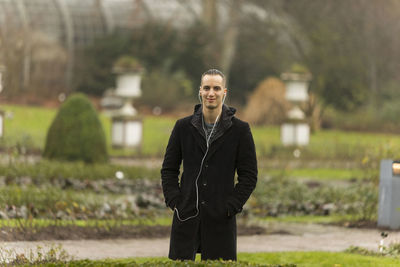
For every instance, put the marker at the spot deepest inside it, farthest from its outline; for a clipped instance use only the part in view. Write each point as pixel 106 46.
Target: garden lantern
pixel 295 130
pixel 128 88
pixel 389 198
pixel 127 126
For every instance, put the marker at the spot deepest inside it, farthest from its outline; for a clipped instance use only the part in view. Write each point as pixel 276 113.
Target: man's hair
pixel 213 72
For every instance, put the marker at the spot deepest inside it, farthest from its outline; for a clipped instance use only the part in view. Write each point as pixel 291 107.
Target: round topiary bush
pixel 76 133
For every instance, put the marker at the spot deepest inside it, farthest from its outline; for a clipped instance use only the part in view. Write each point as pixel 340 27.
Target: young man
pixel 213 144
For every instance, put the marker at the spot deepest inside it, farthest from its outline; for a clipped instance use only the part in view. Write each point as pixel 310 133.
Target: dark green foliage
pixel 154 45
pixel 76 133
pixel 281 196
pixel 278 196
pixel 94 68
pixel 351 49
pixel 260 53
pixel 165 90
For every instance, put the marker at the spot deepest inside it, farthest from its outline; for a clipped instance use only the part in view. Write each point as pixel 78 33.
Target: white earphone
pixel 201 165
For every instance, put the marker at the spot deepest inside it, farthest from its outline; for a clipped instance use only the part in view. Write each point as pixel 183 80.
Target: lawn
pixel 315 173
pixel 28 125
pixel 318 219
pixel 315 258
pixel 38 223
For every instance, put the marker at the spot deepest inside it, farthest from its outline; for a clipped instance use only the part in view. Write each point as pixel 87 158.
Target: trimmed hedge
pixel 76 133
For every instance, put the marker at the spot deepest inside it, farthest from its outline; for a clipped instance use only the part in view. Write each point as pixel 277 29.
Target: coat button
pixel 203 202
pixel 206 166
pixel 204 184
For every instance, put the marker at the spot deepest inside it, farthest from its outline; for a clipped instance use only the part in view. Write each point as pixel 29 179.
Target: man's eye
pixel 217 88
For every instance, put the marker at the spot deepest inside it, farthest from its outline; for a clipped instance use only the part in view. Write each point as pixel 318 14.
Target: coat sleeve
pixel 170 168
pixel 246 165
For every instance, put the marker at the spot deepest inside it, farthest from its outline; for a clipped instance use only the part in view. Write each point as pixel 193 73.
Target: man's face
pixel 212 91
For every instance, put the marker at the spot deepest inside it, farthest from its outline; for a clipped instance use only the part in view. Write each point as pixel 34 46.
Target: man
pixel 213 144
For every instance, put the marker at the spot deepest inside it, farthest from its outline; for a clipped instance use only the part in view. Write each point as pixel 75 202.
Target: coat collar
pixel 224 123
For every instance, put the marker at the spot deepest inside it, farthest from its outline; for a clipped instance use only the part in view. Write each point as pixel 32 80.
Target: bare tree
pixel 230 37
pixel 222 46
pixel 35 63
pixel 210 14
pixel 12 47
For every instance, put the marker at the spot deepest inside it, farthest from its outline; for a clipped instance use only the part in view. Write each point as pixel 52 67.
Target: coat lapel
pixel 200 140
pixel 217 143
pixel 222 128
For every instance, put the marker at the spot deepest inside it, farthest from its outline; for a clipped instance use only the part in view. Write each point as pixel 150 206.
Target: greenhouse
pixel 37 34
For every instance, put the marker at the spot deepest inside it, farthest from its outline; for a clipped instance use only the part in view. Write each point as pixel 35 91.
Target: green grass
pixel 38 223
pixel 29 125
pixel 316 174
pixel 315 258
pixel 46 170
pixel 334 218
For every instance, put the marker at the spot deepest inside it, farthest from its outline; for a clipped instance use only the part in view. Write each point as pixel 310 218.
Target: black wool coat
pixel 216 198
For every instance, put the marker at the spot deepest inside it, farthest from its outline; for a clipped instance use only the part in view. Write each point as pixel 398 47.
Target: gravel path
pixel 304 237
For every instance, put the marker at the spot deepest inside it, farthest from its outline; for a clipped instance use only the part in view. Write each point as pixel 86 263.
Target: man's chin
pixel 211 106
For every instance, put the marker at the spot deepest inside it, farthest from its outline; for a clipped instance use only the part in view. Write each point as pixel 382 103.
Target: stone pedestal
pixel 127 132
pixel 295 134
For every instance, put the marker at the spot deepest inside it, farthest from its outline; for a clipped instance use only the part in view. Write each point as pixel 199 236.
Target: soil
pixel 99 233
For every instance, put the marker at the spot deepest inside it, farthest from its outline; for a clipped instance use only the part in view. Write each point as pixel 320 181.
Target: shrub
pixel 76 133
pixel 267 105
pixel 368 118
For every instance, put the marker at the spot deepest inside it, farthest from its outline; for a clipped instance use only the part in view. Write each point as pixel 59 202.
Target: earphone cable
pixel 201 165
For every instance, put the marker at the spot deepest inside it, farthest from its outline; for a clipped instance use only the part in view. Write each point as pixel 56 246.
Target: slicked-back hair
pixel 213 72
